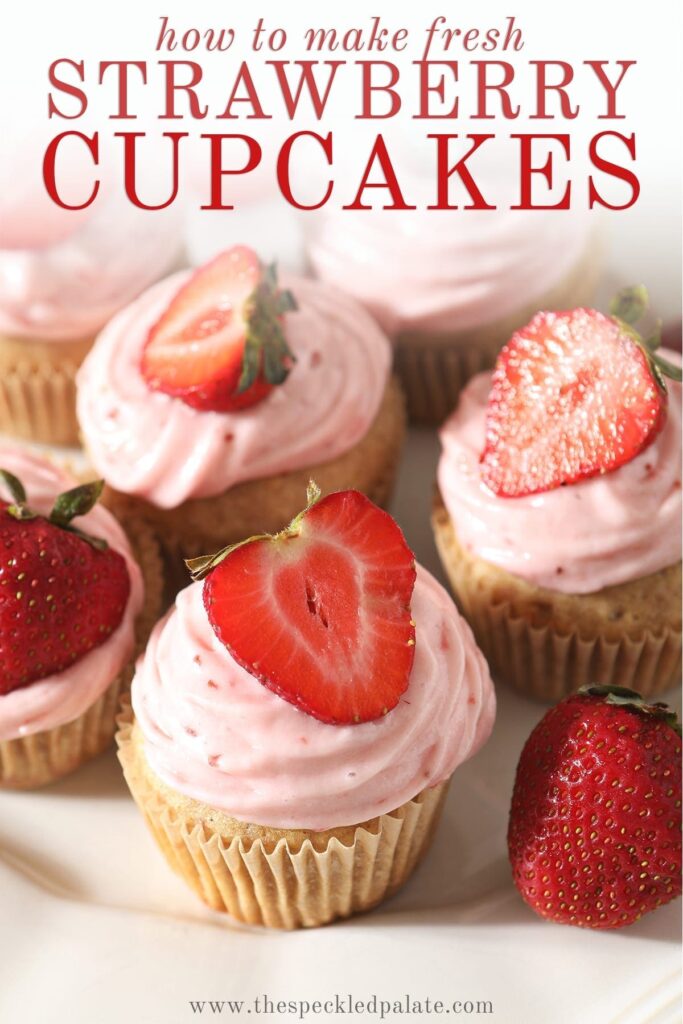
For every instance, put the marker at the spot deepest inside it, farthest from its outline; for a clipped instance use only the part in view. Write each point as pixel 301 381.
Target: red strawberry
pixel 219 346
pixel 62 594
pixel 595 824
pixel 320 613
pixel 573 394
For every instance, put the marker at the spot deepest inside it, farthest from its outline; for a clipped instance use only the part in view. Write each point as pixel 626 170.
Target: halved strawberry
pixel 573 394
pixel 320 613
pixel 219 345
pixel 62 593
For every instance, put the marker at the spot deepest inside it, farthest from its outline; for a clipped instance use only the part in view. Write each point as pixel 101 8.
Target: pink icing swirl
pixel 67 284
pixel 577 539
pixel 150 444
pixel 213 732
pixel 62 697
pixel 445 270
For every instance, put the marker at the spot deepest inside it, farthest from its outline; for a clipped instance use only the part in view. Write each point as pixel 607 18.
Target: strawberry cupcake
pixel 208 403
pixel 298 714
pixel 63 274
pixel 77 599
pixel 449 287
pixel 559 506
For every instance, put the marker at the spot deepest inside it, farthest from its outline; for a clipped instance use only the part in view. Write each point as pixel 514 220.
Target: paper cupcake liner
pixel 28 762
pixel 433 372
pixel 265 506
pixel 286 879
pixel 548 661
pixel 434 368
pixel 38 389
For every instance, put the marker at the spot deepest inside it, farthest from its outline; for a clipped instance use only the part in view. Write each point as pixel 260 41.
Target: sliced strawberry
pixel 573 394
pixel 320 613
pixel 219 345
pixel 62 593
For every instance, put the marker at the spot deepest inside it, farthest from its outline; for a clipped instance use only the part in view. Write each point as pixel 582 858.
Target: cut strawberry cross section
pixel 219 346
pixel 320 613
pixel 573 395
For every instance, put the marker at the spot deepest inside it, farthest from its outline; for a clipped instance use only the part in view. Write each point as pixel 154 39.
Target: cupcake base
pixel 547 644
pixel 204 525
pixel 280 878
pixel 38 389
pixel 29 762
pixel 433 368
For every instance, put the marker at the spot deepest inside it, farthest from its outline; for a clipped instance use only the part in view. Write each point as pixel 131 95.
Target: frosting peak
pixel 447 270
pixel 67 285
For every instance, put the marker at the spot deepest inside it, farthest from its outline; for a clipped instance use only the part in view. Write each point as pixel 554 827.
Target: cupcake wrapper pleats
pixel 550 660
pixel 38 389
pixel 282 884
pixel 434 367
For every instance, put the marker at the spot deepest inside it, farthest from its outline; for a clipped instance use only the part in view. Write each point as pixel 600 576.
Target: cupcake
pixel 449 287
pixel 559 507
pixel 63 274
pixel 298 715
pixel 208 403
pixel 77 599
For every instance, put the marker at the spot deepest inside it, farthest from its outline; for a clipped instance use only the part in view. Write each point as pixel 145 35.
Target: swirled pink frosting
pixel 59 698
pixel 575 539
pixel 214 733
pixel 150 444
pixel 445 270
pixel 65 284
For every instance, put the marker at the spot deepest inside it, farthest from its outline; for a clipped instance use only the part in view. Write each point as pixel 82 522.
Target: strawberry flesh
pixel 322 616
pixel 595 825
pixel 60 598
pixel 572 396
pixel 195 351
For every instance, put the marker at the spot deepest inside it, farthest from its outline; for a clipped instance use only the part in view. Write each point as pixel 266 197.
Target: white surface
pixel 94 927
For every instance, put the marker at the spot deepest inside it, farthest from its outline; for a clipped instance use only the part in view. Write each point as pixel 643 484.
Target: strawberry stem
pixel 266 350
pixel 622 697
pixel 201 567
pixel 628 307
pixel 76 502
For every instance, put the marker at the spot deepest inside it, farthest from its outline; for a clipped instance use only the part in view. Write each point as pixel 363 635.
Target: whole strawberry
pixel 62 592
pixel 594 837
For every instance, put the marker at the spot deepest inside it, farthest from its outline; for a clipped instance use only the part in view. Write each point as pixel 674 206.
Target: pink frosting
pixel 576 539
pixel 445 270
pixel 66 283
pixel 213 732
pixel 61 697
pixel 150 444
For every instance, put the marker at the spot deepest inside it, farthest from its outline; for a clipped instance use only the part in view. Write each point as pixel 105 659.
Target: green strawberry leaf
pixel 622 697
pixel 266 350
pixel 630 304
pixel 76 502
pixel 14 486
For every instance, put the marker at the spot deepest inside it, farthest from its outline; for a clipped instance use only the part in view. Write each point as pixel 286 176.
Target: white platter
pixel 95 929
